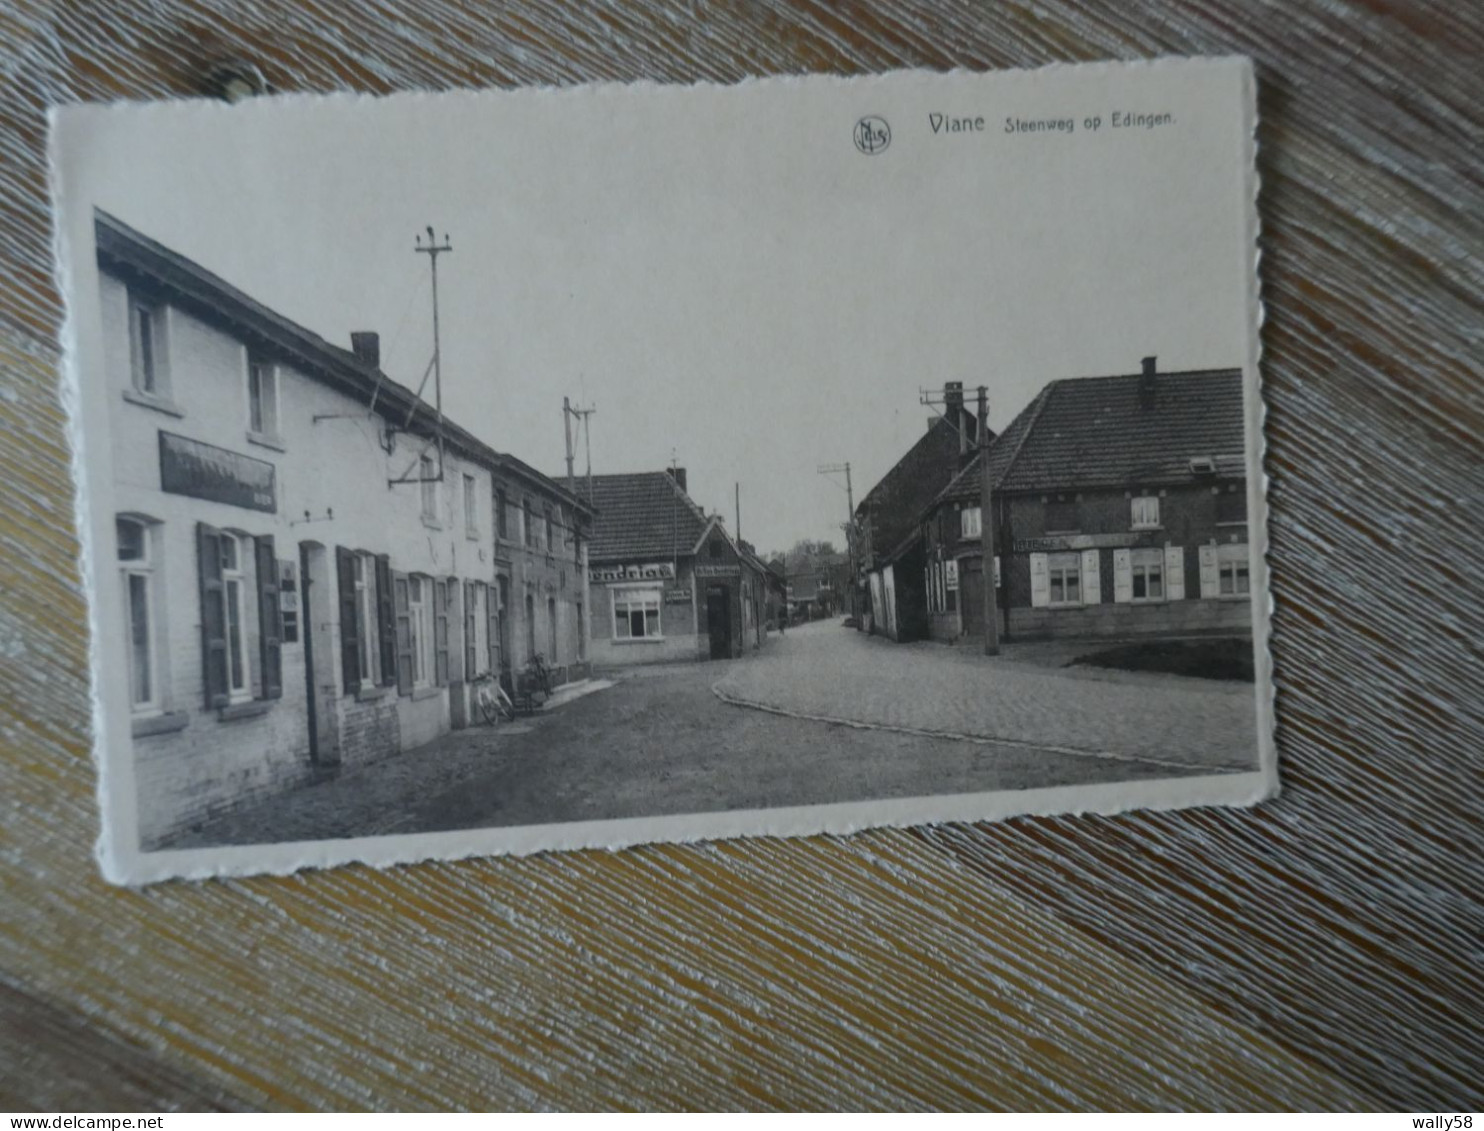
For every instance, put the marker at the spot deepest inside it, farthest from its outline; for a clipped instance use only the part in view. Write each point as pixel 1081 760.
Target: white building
pixel 290 607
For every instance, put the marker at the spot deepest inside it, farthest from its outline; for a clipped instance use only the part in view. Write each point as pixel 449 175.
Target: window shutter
pixel 403 613
pixel 997 571
pixel 1092 582
pixel 1175 573
pixel 1210 572
pixel 213 615
pixel 471 628
pixel 492 608
pixel 1040 581
pixel 1123 576
pixel 440 632
pixel 270 618
pixel 455 631
pixel 350 627
pixel 386 620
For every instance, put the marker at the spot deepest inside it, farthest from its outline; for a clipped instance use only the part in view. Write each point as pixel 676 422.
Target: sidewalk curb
pixel 978 739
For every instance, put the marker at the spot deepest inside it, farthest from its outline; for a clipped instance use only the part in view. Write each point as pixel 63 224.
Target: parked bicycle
pixel 539 674
pixel 494 704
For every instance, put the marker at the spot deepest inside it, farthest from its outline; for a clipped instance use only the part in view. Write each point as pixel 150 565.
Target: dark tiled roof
pixel 893 506
pixel 124 251
pixel 643 515
pixel 1103 432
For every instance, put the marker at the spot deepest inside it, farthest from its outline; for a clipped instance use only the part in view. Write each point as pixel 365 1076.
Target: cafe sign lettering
pixel 1074 542
pixel 648 571
pixel 204 471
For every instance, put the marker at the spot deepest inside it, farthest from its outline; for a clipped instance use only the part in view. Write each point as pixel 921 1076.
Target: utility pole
pixel 567 436
pixel 433 249
pixel 986 528
pixel 850 539
pixel 581 414
pixel 737 502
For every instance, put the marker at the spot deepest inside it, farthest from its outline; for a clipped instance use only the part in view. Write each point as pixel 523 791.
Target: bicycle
pixel 494 704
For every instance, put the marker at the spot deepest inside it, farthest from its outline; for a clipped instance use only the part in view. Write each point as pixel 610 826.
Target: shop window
pixel 1145 512
pixel 969 524
pixel 1064 577
pixel 1233 564
pixel 420 623
pixel 471 506
pixel 1061 517
pixel 1147 572
pixel 262 399
pixel 234 585
pixel 137 568
pixel 229 564
pixel 146 347
pixel 636 614
pixel 364 567
pixel 1231 507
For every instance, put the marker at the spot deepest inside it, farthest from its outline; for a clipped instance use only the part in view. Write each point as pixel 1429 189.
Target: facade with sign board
pixel 667 580
pixel 1120 506
pixel 306 584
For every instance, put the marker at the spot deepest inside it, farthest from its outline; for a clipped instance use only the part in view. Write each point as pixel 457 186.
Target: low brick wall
pixel 682 646
pixel 1171 618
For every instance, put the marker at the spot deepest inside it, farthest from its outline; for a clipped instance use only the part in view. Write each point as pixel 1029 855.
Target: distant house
pixel 667 580
pixel 1120 508
pixel 890 549
pixel 810 596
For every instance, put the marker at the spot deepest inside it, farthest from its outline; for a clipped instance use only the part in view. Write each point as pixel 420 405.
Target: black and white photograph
pixel 517 471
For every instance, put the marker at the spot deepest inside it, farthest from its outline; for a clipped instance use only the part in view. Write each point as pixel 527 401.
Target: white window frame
pixel 970 523
pixel 1060 567
pixel 1144 503
pixel 471 505
pixel 1233 562
pixel 1140 563
pixel 147 375
pixel 419 611
pixel 143 568
pixel 262 398
pixel 234 600
pixel 363 571
pixel 640 598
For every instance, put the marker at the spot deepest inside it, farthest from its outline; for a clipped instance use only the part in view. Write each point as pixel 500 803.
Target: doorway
pixel 316 631
pixel 719 621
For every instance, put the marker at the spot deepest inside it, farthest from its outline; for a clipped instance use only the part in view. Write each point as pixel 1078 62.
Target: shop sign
pixel 648 571
pixel 1074 542
pixel 708 570
pixel 678 596
pixel 950 573
pixel 204 471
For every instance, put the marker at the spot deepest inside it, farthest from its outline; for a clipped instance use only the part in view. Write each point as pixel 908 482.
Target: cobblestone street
pixel 662 741
pixel 826 671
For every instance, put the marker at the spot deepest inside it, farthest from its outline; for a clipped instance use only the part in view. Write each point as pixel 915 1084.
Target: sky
pixel 718 272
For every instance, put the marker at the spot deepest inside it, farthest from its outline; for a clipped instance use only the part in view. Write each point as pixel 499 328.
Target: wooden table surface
pixel 1323 951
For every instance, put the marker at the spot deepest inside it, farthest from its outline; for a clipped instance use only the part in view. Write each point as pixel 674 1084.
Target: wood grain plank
pixel 1322 951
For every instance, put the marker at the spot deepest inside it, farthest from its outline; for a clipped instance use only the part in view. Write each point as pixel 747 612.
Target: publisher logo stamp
pixel 872 135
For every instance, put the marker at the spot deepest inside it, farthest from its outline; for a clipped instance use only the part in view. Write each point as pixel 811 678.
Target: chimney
pixel 366 345
pixel 953 409
pixel 677 474
pixel 1147 384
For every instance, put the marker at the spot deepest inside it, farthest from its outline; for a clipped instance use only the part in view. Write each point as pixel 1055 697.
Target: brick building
pixel 1120 506
pixel 309 578
pixel 891 548
pixel 667 580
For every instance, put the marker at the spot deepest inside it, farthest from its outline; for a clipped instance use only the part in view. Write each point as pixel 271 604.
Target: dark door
pixel 306 634
pixel 719 621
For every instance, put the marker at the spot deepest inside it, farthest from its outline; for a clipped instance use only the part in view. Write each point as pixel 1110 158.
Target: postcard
pixel 512 471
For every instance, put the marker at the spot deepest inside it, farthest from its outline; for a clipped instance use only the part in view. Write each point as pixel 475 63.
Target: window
pixel 262 398
pixel 1065 576
pixel 636 614
pixel 363 575
pixel 530 625
pixel 1232 562
pixel 551 630
pixel 1231 507
pixel 471 502
pixel 550 530
pixel 528 516
pixel 146 342
pixel 428 479
pixel 419 598
pixel 968 523
pixel 1148 569
pixel 137 567
pixel 1145 512
pixel 502 513
pixel 234 585
pixel 1061 517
